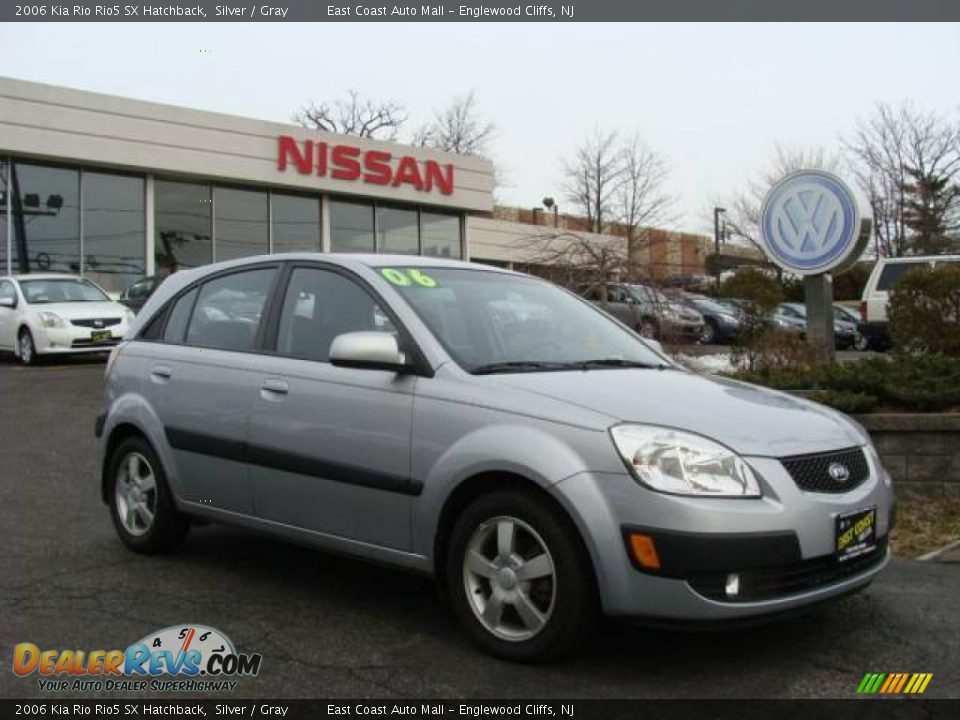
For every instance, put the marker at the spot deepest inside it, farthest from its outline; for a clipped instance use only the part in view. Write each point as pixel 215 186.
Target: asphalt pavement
pixel 332 627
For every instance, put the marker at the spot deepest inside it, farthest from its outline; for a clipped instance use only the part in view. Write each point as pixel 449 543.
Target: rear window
pixel 893 272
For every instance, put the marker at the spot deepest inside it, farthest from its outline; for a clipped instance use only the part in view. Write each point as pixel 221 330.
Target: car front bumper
pixel 781 545
pixel 71 339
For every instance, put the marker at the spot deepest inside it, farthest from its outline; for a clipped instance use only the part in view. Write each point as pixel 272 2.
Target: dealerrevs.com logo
pixel 180 658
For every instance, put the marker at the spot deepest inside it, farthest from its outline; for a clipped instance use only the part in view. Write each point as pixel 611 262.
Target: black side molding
pixel 263 456
pixel 98 426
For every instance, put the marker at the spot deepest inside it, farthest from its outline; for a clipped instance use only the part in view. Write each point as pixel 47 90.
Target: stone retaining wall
pixel 921 452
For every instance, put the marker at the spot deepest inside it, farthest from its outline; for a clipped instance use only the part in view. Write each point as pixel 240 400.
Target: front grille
pixel 782 580
pixel 812 472
pixel 96 322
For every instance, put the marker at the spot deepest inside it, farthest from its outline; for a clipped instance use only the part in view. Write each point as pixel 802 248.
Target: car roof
pixel 41 276
pixel 918 258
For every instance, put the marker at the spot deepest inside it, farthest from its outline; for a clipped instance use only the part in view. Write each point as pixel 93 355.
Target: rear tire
pixel 648 329
pixel 518 578
pixel 143 510
pixel 709 333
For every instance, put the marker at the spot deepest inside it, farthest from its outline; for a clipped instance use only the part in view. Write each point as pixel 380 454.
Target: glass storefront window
pixel 240 225
pixel 351 227
pixel 440 234
pixel 113 230
pixel 397 231
pixel 296 223
pixel 46 219
pixel 4 197
pixel 183 229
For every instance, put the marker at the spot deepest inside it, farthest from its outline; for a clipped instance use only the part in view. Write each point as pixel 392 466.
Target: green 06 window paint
pixel 405 278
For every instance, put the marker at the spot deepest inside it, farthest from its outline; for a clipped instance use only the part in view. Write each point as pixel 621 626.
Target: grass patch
pixel 924 525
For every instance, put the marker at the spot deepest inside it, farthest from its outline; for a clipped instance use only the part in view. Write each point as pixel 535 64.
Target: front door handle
pixel 160 373
pixel 274 387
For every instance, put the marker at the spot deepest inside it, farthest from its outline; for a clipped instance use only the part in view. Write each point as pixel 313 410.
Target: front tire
pixel 861 342
pixel 708 334
pixel 26 348
pixel 141 506
pixel 520 582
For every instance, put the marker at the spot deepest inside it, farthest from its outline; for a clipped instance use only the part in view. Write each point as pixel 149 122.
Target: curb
pixel 934 554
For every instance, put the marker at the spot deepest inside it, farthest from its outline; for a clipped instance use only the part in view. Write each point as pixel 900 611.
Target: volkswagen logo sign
pixel 810 222
pixel 838 472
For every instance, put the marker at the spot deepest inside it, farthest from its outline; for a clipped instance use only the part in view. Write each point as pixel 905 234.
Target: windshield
pixel 489 320
pixel 63 290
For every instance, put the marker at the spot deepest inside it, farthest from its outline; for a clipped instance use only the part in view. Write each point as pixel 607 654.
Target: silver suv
pixel 539 458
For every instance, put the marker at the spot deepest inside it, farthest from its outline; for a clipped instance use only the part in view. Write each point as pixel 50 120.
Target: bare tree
pixel 640 201
pixel 592 177
pixel 894 154
pixel 457 129
pixel 572 259
pixel 743 209
pixel 354 115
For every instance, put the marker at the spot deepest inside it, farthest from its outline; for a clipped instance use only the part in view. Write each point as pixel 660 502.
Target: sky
pixel 713 99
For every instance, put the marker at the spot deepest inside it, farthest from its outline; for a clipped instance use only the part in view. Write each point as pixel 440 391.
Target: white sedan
pixel 62 314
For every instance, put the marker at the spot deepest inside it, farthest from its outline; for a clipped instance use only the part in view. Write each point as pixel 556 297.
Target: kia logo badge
pixel 98 323
pixel 838 472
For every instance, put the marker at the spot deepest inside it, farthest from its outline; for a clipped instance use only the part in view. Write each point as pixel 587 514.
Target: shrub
pixel 911 383
pixel 760 294
pixel 776 349
pixel 924 310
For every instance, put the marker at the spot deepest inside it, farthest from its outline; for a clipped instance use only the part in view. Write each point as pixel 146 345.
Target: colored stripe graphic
pixel 894 683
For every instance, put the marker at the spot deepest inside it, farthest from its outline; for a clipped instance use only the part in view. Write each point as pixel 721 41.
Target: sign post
pixel 810 225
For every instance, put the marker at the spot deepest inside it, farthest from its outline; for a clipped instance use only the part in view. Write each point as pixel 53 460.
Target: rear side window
pixel 179 316
pixel 893 272
pixel 229 310
pixel 319 305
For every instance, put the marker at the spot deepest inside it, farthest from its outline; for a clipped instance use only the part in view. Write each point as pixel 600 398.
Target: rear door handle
pixel 274 387
pixel 161 373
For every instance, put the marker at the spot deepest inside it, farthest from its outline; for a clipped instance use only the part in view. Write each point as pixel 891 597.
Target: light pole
pixel 717 211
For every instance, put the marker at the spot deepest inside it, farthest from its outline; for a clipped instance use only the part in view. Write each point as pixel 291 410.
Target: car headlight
pixel 129 315
pixel 51 320
pixel 729 320
pixel 681 463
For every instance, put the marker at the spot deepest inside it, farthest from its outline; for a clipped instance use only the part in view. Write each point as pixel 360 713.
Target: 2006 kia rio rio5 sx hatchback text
pixel 540 459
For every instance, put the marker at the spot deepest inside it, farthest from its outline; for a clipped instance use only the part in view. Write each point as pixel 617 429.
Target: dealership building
pixel 116 188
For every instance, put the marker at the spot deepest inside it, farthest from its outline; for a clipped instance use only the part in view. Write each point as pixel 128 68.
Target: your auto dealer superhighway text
pixel 463 709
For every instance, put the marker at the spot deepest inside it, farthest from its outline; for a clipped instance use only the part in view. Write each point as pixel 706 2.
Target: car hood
pixel 78 310
pixel 749 419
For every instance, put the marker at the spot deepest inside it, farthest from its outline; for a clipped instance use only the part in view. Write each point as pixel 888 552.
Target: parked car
pixel 47 314
pixel 646 310
pixel 848 314
pixel 544 462
pixel 876 293
pixel 137 294
pixel 844 332
pixel 721 322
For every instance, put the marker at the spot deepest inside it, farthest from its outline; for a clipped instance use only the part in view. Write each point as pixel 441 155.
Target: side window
pixel 593 294
pixel 616 294
pixel 893 272
pixel 7 291
pixel 179 316
pixel 229 310
pixel 319 305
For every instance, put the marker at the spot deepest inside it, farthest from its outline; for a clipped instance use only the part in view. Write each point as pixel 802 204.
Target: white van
pixel 873 307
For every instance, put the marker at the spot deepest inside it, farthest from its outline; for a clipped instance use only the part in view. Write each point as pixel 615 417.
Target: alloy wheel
pixel 26 348
pixel 510 578
pixel 136 494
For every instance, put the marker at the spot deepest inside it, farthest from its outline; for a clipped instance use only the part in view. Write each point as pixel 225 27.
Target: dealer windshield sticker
pixel 180 658
pixel 409 277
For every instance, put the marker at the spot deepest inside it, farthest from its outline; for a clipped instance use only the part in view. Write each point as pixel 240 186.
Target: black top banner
pixel 482 11
pixel 487 709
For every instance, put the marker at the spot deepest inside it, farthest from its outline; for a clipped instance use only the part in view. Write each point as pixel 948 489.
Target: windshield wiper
pixel 619 363
pixel 517 366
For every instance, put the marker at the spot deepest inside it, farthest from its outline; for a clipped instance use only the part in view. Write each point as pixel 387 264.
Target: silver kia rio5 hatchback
pixel 539 458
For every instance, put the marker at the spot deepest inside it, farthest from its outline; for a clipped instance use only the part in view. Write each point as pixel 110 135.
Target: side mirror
pixel 367 350
pixel 8 302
